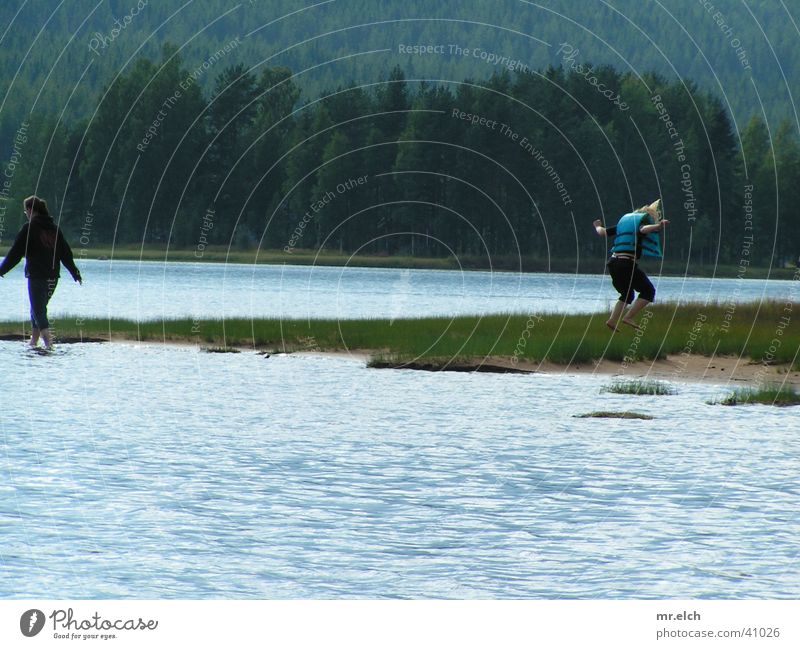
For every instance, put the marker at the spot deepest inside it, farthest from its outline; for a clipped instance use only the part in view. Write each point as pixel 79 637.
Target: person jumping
pixel 635 234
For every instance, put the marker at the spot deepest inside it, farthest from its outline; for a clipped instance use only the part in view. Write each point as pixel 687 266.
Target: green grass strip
pixel 667 329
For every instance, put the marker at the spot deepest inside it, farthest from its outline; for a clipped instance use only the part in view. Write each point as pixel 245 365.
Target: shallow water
pixel 151 290
pixel 159 472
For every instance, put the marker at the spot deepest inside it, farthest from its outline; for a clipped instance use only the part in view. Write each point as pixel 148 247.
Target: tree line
pixel 519 164
pixel 60 55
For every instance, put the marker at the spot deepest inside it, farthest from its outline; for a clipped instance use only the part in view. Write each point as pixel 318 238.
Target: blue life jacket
pixel 629 240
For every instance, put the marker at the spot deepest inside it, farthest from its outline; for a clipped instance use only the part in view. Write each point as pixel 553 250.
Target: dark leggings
pixel 40 291
pixel 627 277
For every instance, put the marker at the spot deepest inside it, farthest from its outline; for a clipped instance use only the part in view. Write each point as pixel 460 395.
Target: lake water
pixel 152 290
pixel 163 472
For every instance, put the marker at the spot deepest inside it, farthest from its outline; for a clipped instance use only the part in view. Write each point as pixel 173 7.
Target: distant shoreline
pixel 503 263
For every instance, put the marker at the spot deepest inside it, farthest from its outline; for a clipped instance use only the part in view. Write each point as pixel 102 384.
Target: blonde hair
pixel 36 205
pixel 654 209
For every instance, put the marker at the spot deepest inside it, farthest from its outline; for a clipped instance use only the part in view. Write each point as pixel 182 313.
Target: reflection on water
pixel 156 472
pixel 149 290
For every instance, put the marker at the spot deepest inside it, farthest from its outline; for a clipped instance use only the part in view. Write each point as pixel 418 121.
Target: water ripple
pixel 150 472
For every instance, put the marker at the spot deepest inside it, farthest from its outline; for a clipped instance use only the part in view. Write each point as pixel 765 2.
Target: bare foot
pixel 611 326
pixel 630 323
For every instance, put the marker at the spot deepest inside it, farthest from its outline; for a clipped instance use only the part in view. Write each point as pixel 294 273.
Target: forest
pixel 58 57
pixel 183 147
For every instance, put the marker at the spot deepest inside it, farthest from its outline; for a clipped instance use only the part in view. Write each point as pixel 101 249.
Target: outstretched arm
pixel 598 227
pixel 654 227
pixel 17 251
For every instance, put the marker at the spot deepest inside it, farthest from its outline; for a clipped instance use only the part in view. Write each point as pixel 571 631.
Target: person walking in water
pixel 44 247
pixel 635 234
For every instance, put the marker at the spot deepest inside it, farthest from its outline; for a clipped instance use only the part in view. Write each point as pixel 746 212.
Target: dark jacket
pixel 44 247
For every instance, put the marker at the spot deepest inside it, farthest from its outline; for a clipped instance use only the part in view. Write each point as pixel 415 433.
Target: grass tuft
pixel 768 395
pixel 640 386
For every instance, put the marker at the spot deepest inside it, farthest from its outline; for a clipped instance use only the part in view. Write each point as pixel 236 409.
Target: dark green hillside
pixel 673 37
pixel 285 125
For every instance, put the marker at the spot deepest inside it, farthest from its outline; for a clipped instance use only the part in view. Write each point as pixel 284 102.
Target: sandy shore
pixel 697 369
pixel 721 370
